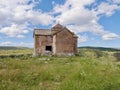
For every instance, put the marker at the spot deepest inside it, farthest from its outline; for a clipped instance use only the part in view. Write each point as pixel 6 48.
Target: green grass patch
pixel 80 72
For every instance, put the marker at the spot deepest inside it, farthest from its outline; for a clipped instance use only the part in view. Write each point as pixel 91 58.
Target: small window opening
pixel 48 48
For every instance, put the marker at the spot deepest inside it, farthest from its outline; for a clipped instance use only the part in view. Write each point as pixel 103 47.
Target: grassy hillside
pixel 89 70
pixel 12 48
pixel 100 48
pixel 14 51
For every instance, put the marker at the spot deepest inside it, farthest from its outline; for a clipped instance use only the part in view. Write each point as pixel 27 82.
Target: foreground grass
pixel 15 52
pixel 59 73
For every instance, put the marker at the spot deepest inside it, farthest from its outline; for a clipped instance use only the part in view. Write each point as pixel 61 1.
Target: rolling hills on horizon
pixel 84 47
pixel 12 48
pixel 100 48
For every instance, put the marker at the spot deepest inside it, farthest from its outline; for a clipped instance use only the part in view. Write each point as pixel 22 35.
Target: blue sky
pixel 96 22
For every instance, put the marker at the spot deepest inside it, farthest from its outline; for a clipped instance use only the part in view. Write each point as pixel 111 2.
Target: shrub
pixel 117 56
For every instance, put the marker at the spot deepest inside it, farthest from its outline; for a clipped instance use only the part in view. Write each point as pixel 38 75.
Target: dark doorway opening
pixel 48 48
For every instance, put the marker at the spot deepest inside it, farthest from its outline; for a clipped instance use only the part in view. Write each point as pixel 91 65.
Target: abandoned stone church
pixel 58 40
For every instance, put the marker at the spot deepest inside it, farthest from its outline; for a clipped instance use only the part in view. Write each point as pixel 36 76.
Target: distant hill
pixel 86 47
pixel 100 48
pixel 12 48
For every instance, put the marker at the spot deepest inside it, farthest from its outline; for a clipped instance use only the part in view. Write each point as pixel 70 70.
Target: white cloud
pixel 73 12
pixel 14 30
pixel 90 27
pixel 79 16
pixel 80 19
pixel 36 17
pixel 17 15
pixel 20 36
pixel 7 43
pixel 69 4
pixel 82 38
pixel 110 36
pixel 107 9
pixel 117 1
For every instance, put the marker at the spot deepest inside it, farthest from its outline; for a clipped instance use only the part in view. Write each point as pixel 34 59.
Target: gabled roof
pixel 57 27
pixel 42 32
pixel 74 35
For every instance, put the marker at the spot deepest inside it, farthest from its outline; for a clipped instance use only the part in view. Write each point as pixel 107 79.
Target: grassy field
pixel 88 70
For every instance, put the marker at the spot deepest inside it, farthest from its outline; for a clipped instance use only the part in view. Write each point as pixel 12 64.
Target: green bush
pixel 117 56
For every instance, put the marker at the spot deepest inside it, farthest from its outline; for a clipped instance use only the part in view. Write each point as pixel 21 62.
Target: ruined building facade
pixel 58 41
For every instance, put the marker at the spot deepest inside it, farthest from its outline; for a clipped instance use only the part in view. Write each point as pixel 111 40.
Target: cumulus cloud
pixel 36 17
pixel 110 36
pixel 79 18
pixel 20 36
pixel 14 30
pixel 17 15
pixel 74 12
pixel 107 9
pixel 82 38
pixel 114 1
pixel 7 43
